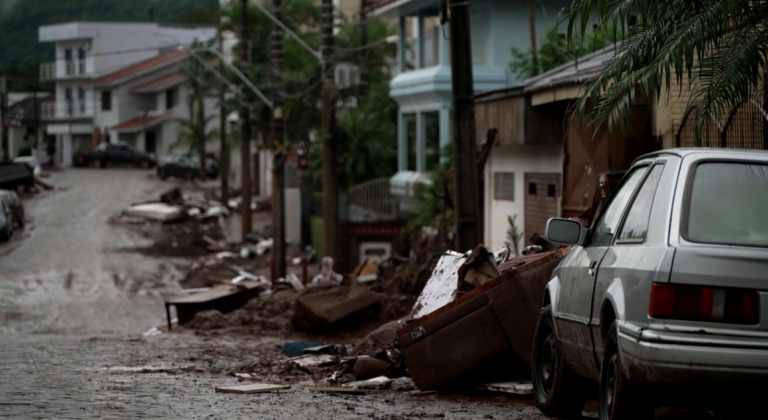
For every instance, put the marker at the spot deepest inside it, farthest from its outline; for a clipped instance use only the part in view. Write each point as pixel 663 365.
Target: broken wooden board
pixel 251 388
pixel 512 387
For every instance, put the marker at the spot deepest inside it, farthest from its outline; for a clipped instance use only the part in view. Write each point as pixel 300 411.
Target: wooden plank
pixel 251 388
pixel 217 292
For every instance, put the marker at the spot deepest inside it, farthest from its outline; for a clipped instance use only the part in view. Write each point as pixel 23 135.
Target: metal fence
pixel 374 195
pixel 745 128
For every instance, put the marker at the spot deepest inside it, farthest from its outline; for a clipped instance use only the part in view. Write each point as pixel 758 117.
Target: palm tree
pixel 192 131
pixel 716 49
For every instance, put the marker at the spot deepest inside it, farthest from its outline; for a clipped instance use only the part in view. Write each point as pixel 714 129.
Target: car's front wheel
pixel 97 163
pixel 558 391
pixel 145 164
pixel 618 400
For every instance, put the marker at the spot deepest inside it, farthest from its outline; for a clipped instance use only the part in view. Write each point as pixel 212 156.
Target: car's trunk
pixel 721 265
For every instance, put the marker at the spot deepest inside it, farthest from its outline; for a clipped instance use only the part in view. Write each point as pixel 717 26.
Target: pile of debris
pixel 174 206
pixel 471 328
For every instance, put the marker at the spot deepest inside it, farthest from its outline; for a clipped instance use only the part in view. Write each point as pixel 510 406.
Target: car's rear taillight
pixel 732 306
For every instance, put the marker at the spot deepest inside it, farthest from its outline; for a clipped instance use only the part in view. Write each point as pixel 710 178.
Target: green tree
pixel 434 201
pixel 717 49
pixel 554 50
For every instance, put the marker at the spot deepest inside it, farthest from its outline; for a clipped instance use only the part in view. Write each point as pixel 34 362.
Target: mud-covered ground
pixel 78 290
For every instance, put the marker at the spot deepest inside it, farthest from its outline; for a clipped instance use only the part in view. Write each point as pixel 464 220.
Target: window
pixel 170 98
pixel 609 220
pixel 504 186
pixel 636 224
pixel 551 190
pixel 727 204
pixel 68 94
pixel 106 100
pixel 531 188
pixel 81 53
pixel 81 94
pixel 68 54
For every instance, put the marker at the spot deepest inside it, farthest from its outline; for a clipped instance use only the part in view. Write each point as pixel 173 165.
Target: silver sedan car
pixel 662 300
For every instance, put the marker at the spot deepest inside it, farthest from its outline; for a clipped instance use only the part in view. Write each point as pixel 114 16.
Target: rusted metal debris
pixel 324 308
pixel 483 335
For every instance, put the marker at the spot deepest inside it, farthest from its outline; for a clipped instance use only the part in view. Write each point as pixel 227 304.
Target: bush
pixel 25 150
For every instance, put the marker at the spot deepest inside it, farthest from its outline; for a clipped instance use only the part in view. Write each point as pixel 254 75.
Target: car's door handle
pixel 592 268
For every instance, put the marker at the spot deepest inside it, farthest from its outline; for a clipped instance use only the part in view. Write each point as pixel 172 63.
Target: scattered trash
pixel 152 331
pixel 369 367
pixel 382 382
pixel 339 350
pixel 244 375
pixel 514 387
pixel 312 360
pixel 293 279
pixel 403 384
pixel 251 388
pixel 297 348
pixel 264 246
pixel 43 183
pixel 215 211
pixel 172 196
pixel 326 277
pixel 337 390
pixel 478 269
pixel 157 211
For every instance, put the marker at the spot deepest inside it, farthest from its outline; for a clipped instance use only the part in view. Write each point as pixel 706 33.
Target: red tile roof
pixel 161 82
pixel 139 122
pixel 141 67
pixel 168 79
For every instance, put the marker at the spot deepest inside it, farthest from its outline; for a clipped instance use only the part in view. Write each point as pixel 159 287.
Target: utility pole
pixel 3 114
pixel 532 27
pixel 330 180
pixel 201 118
pixel 245 130
pixel 278 162
pixel 223 146
pixel 363 87
pixel 466 195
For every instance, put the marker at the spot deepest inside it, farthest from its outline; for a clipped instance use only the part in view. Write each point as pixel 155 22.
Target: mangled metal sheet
pixel 484 335
pixel 442 287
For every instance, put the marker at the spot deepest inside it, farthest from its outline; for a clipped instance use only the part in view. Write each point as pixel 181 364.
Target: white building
pixel 97 66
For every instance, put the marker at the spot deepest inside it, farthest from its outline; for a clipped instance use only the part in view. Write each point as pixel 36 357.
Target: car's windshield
pixel 728 203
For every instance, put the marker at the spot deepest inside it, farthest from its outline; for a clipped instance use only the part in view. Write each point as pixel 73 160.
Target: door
pixel 577 279
pixel 150 144
pixel 542 192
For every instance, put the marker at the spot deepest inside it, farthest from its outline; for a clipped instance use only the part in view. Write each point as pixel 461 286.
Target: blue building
pixel 422 86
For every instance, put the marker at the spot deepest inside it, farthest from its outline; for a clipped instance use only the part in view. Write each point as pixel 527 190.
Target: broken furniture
pixel 324 308
pixel 223 298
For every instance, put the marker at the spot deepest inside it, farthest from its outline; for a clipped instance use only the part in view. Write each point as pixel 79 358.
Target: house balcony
pixel 66 110
pixel 66 69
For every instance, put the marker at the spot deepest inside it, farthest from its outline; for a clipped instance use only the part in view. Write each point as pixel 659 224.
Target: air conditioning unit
pixel 375 251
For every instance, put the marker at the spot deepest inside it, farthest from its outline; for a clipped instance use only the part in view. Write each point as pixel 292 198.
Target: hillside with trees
pixel 20 50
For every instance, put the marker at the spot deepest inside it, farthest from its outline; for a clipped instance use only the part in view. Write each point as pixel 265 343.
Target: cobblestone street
pixel 73 308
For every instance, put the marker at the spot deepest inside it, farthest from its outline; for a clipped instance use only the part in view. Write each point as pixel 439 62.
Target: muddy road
pixel 74 304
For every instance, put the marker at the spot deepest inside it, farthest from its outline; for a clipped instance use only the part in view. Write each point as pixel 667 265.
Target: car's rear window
pixel 729 204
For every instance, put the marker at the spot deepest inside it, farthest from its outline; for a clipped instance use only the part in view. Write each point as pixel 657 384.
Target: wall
pixel 669 112
pixel 509 25
pixel 519 160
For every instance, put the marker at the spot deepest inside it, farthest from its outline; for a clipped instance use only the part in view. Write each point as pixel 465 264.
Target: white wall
pixel 520 160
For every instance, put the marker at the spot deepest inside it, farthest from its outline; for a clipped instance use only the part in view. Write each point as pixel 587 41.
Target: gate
pixel 745 128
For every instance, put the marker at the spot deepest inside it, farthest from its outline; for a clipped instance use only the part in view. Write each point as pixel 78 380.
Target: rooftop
pixel 138 123
pixel 140 68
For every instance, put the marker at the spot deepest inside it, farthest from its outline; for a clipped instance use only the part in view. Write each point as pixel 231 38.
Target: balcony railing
pixel 48 71
pixel 63 69
pixel 65 109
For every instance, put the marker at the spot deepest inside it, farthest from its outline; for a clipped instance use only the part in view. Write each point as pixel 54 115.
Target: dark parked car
pixel 6 222
pixel 16 208
pixel 185 166
pixel 117 153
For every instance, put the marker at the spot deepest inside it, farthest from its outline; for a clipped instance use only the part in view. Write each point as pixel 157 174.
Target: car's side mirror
pixel 564 231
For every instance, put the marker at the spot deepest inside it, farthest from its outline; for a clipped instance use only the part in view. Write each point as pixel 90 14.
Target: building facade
pixel 422 86
pixel 88 51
